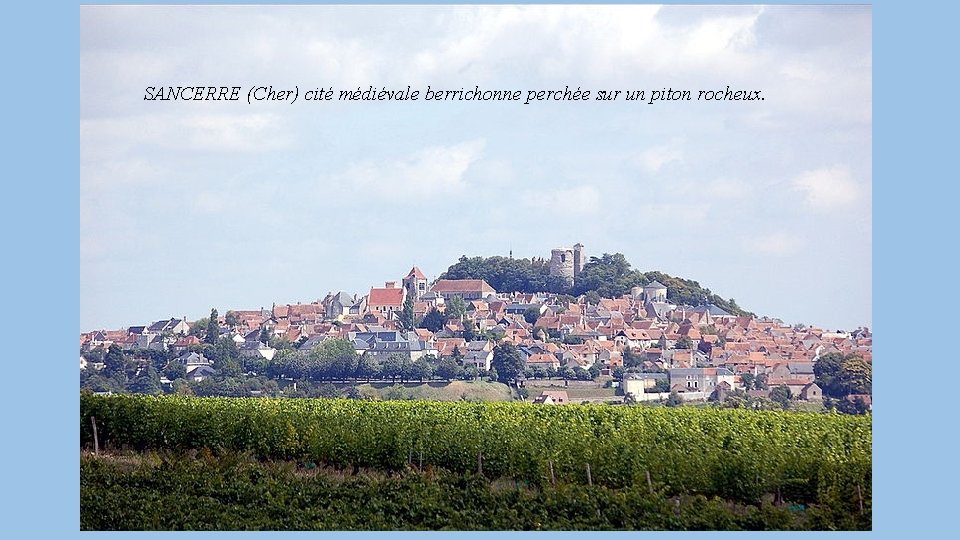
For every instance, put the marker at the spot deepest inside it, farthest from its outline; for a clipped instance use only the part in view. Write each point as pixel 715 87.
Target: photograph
pixel 531 267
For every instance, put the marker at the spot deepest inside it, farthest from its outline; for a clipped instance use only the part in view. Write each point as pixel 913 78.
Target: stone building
pixel 567 263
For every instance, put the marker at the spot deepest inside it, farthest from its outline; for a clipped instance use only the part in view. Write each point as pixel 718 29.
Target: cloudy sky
pixel 186 206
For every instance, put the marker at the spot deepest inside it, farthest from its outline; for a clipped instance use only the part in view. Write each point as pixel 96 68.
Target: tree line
pixel 607 276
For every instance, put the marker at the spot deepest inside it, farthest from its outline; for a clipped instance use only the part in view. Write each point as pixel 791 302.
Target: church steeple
pixel 415 283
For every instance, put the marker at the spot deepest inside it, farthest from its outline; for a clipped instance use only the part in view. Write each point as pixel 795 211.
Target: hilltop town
pixel 549 347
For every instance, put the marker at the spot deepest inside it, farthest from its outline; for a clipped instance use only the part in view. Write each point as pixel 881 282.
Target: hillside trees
pixel 148 382
pixel 114 361
pixel 609 276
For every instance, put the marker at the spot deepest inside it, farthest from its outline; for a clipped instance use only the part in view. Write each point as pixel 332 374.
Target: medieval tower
pixel 567 263
pixel 415 283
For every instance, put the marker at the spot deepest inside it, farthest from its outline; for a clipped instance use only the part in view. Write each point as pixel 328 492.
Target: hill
pixel 608 276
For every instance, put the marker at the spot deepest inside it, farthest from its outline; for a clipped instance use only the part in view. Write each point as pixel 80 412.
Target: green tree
pixel 469 331
pixel 449 369
pixel 456 308
pixel 393 366
pixel 609 276
pixel 532 314
pixel 826 371
pixel 850 406
pixel 421 369
pixel 213 328
pixel 225 348
pixel 408 369
pixel 182 387
pixel 782 395
pixel 295 365
pixel 231 319
pixel 339 357
pixel 368 366
pixel 674 400
pixel 230 367
pixel 175 370
pixel 856 376
pixel 747 379
pixel 115 361
pixel 281 343
pixel 631 359
pixel 327 390
pixel 507 362
pixel 433 320
pixel 406 319
pixel 594 370
pixel 683 343
pixel 148 382
pixel 226 357
pixel 96 382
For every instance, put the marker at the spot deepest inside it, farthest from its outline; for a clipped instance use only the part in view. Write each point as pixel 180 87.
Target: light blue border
pixel 914 192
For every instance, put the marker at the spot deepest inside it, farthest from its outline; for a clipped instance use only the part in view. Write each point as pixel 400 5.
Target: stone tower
pixel 562 264
pixel 578 260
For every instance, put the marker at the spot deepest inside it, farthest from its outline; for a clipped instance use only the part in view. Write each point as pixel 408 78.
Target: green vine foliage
pixel 729 453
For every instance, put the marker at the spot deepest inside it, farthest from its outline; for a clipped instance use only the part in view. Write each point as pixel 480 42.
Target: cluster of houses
pixel 697 349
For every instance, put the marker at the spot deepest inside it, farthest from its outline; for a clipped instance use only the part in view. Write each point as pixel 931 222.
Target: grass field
pixel 576 390
pixel 438 391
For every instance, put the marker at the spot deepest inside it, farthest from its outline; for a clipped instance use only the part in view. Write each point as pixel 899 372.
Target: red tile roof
pixel 462 286
pixel 386 297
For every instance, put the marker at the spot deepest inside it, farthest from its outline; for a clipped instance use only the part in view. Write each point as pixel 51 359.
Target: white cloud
pixel 727 188
pixel 436 170
pixel 827 188
pixel 234 133
pixel 776 244
pixel 578 200
pixel 105 138
pixel 655 158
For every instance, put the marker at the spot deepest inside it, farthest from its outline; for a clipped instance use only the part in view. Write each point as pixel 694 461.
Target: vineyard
pixel 744 457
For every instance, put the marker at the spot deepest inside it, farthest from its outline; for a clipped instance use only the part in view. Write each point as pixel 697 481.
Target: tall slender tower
pixel 578 260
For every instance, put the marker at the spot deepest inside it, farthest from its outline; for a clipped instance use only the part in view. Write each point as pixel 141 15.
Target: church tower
pixel 415 283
